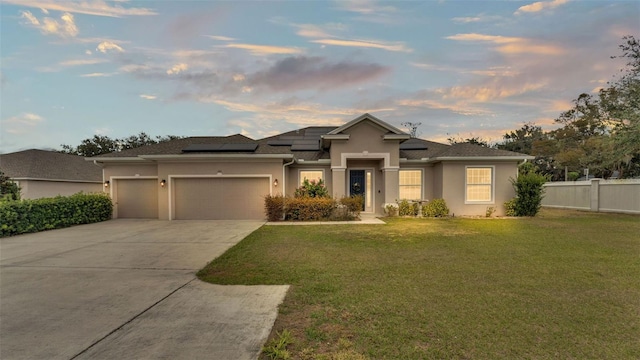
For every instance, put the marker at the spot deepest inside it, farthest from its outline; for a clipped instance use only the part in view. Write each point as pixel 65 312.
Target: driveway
pixel 127 289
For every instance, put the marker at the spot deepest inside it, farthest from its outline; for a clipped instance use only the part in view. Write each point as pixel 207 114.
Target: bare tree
pixel 413 128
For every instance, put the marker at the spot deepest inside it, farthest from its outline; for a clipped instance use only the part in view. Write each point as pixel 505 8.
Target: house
pixel 41 173
pixel 227 177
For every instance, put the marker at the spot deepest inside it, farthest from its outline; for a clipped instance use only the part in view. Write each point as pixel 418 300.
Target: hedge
pixel 26 216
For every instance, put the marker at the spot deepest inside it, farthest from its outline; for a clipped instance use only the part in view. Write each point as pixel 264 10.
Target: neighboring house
pixel 41 173
pixel 228 177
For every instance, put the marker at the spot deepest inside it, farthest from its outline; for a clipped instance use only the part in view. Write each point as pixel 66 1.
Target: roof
pixel 306 144
pixel 49 165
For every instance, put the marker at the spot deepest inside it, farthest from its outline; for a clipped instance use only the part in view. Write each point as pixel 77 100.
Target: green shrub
pixel 529 190
pixel 405 208
pixel 274 207
pixel 312 189
pixel 9 191
pixel 573 175
pixel 25 216
pixel 309 208
pixel 489 211
pixel 435 208
pixel 510 207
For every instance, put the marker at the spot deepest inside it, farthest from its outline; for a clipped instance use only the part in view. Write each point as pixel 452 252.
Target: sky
pixel 70 70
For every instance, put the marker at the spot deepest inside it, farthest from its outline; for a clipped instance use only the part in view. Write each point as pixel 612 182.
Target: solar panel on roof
pixel 280 142
pixel 316 131
pixel 239 147
pixel 413 146
pixel 229 147
pixel 202 147
pixel 306 141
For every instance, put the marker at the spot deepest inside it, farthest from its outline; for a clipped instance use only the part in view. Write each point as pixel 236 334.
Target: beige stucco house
pixel 42 173
pixel 227 177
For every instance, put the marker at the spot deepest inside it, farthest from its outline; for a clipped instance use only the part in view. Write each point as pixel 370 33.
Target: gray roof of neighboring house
pixel 50 165
pixel 427 149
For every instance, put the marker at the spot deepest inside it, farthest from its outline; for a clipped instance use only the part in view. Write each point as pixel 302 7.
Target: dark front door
pixel 357 183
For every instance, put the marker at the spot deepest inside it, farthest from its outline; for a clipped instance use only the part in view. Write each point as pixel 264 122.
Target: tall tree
pixel 100 144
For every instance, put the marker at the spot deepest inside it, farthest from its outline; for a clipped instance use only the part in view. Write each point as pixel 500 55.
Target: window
pixel 479 182
pixel 410 184
pixel 310 175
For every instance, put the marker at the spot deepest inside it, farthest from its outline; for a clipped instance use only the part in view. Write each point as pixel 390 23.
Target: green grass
pixel 563 285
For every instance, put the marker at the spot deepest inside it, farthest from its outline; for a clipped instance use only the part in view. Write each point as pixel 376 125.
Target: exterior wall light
pixel 163 182
pixel 106 184
pixel 275 182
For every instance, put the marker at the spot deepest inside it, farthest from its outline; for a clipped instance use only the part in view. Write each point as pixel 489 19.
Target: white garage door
pixel 220 198
pixel 137 198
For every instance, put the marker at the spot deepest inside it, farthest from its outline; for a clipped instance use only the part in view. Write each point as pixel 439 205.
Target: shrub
pixel 274 207
pixel 510 207
pixel 353 204
pixel 489 211
pixel 573 176
pixel 312 189
pixel 19 217
pixel 435 208
pixel 405 208
pixel 9 191
pixel 529 190
pixel 391 209
pixel 309 208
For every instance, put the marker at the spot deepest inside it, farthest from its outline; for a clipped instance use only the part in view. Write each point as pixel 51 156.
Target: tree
pixel 100 144
pixel 475 140
pixel 413 128
pixel 522 140
pixel 8 189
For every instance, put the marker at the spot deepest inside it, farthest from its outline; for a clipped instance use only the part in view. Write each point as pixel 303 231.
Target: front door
pixel 357 185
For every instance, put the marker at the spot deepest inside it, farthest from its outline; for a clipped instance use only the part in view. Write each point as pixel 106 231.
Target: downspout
pixel 95 162
pixel 284 175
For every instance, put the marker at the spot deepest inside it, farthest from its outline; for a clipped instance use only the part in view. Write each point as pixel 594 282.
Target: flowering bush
pixel 312 189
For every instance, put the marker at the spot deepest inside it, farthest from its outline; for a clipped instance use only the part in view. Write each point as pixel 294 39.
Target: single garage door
pixel 220 198
pixel 137 198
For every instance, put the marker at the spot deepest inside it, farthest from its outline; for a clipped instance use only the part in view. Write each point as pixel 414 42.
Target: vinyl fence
pixel 620 196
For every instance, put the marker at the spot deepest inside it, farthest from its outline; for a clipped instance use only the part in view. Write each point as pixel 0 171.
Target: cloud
pixel 177 68
pixel 301 72
pixel 97 74
pixel 148 97
pixel 65 28
pixel 476 19
pixel 264 49
pixel 396 46
pixel 366 7
pixel 107 46
pixel 460 108
pixel 97 7
pixel 539 6
pixel 318 31
pixel 220 38
pixel 490 91
pixel 511 45
pixel 81 62
pixel 22 124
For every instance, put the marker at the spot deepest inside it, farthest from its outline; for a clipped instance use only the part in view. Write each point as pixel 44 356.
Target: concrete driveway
pixel 127 289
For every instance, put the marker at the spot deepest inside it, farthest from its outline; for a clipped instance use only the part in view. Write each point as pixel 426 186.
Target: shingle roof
pixel 42 164
pixel 431 149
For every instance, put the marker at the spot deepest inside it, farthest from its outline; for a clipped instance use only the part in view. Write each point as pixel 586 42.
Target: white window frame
pixel 300 178
pixel 493 184
pixel 421 182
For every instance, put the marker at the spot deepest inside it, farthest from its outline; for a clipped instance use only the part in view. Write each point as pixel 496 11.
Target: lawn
pixel 563 285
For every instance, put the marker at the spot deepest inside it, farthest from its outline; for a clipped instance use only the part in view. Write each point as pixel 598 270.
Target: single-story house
pixel 227 177
pixel 41 173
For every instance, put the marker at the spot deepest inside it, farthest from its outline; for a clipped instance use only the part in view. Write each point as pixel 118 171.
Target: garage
pixel 228 198
pixel 137 198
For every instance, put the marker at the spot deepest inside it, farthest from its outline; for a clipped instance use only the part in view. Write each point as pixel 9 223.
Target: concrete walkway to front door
pixel 126 289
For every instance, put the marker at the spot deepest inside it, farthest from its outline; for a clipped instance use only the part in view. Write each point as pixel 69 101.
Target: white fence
pixel 621 196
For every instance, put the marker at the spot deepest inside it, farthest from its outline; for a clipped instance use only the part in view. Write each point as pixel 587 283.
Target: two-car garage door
pixel 219 198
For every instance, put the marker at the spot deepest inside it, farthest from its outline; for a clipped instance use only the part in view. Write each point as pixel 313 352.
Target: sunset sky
pixel 70 70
